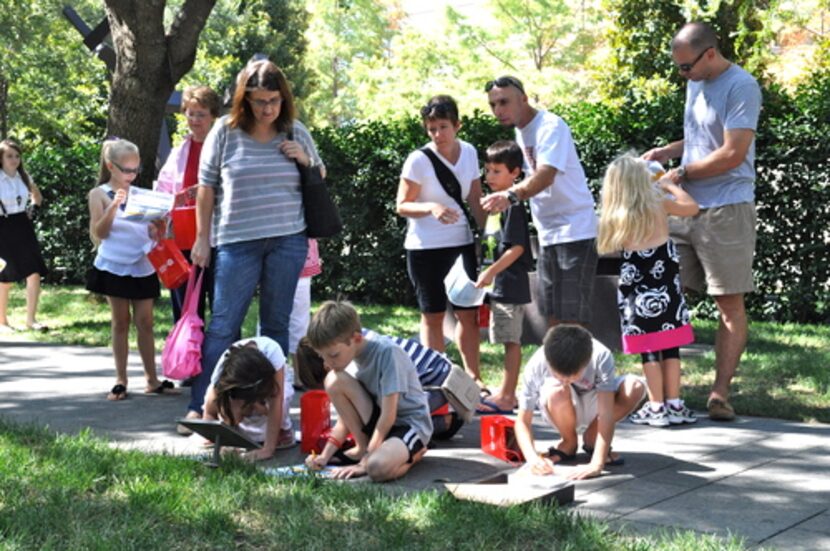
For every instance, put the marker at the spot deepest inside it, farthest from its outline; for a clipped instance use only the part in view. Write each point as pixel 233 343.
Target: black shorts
pixel 427 269
pixel 566 273
pixel 127 287
pixel 407 434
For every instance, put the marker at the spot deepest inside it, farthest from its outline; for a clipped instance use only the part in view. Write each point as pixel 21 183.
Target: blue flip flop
pixel 494 409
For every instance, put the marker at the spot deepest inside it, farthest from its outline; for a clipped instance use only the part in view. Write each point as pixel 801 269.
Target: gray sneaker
pixel 678 416
pixel 647 416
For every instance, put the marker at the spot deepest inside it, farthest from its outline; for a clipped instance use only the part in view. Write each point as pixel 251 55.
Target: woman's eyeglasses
pixel 686 67
pixel 261 104
pixel 504 82
pixel 136 170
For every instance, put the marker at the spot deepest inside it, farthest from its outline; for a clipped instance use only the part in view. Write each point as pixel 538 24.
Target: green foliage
pixel 236 30
pixel 65 174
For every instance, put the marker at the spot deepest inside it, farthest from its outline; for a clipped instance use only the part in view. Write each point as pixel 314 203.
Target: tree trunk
pixel 149 64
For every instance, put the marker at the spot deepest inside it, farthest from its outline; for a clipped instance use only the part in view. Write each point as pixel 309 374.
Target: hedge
pixel 366 262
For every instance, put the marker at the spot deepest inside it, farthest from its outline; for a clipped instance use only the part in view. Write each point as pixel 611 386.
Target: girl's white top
pixel 12 187
pixel 123 251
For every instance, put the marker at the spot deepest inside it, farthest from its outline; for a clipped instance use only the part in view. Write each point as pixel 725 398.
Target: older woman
pixel 180 173
pixel 249 198
pixel 438 230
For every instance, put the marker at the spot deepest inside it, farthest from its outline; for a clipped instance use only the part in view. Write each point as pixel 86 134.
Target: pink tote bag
pixel 182 355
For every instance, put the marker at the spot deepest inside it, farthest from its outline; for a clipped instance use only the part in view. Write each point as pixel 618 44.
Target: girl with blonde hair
pixel 655 320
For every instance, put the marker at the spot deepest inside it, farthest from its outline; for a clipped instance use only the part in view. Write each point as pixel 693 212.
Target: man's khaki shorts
pixel 716 249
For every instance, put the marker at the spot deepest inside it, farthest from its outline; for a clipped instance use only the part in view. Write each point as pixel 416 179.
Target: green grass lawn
pixel 783 373
pixel 75 492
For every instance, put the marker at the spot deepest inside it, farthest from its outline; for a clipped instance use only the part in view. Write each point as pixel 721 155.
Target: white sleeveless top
pixel 122 252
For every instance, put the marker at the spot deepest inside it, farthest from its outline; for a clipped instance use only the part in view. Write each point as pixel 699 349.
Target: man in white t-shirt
pixel 561 204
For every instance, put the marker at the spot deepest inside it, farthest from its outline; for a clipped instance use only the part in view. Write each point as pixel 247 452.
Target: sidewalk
pixel 765 480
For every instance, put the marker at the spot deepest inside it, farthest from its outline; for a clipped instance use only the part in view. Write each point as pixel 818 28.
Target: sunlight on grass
pixel 75 492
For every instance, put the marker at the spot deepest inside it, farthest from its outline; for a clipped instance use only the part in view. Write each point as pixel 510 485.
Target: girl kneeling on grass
pixel 121 271
pixel 248 389
pixel 655 320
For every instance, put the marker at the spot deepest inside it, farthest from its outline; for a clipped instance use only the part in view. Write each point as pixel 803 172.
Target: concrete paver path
pixel 765 480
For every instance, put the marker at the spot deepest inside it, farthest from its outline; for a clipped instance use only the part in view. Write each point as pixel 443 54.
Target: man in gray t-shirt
pixel 718 170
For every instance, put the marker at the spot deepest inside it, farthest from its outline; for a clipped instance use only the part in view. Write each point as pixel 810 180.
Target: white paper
pixel 460 289
pixel 144 205
pixel 525 476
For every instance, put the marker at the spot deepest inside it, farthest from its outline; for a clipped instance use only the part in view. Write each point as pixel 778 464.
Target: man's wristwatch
pixel 681 173
pixel 513 198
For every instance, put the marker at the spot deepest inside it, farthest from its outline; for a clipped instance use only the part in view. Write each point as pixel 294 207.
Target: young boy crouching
pixel 573 382
pixel 383 406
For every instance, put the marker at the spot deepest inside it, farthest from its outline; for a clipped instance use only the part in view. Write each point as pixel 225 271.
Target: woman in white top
pixel 438 230
pixel 19 249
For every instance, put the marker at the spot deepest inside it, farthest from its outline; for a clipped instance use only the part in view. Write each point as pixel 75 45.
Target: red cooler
pixel 499 439
pixel 315 420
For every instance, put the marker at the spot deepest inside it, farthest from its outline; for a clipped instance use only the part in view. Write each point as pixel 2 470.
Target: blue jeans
pixel 275 264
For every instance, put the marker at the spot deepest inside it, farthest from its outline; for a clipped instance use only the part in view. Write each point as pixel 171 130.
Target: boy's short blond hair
pixel 335 321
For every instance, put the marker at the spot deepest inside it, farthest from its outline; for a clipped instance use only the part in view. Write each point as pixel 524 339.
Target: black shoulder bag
pixel 322 219
pixel 450 184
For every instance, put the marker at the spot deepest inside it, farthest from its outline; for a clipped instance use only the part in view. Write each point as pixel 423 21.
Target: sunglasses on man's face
pixel 686 67
pixel 504 82
pixel 136 170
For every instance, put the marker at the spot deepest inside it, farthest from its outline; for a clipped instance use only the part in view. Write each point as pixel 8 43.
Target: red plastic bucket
pixel 315 420
pixel 170 264
pixel 484 316
pixel 184 227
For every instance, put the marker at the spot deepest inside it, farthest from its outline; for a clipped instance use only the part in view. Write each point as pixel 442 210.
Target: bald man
pixel 561 204
pixel 718 169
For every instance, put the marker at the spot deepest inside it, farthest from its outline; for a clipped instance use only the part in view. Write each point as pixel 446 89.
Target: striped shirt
pixel 257 188
pixel 433 367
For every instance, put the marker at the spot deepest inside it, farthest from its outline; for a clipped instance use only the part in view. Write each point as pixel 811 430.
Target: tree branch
pixel 183 38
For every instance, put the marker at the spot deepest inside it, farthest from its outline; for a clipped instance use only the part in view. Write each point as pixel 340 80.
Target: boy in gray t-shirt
pixel 383 406
pixel 572 380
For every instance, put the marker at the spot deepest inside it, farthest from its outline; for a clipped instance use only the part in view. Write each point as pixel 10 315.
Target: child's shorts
pixel 585 405
pixel 407 434
pixel 506 322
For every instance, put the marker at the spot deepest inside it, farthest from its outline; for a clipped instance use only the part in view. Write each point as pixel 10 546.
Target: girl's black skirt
pixel 19 248
pixel 129 287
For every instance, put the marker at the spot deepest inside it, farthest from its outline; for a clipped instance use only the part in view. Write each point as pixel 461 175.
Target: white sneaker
pixel 647 416
pixel 678 416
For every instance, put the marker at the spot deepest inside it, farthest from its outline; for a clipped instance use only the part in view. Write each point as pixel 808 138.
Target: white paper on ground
pixel 460 289
pixel 524 475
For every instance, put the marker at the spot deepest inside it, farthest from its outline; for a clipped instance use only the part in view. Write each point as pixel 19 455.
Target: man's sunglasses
pixel 136 170
pixel 504 82
pixel 686 67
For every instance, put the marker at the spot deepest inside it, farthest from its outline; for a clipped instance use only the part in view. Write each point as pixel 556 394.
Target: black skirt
pixel 19 248
pixel 128 287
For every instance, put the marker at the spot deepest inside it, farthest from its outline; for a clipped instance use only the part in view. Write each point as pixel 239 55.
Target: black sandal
pixel 163 388
pixel 562 457
pixel 118 392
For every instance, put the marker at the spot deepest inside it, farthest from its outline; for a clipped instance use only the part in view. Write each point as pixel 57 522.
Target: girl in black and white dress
pixel 19 249
pixel 655 321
